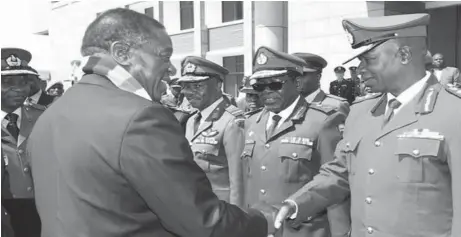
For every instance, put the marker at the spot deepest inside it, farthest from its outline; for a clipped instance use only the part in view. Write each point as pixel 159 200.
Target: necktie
pixel 197 121
pixel 270 131
pixel 393 104
pixel 12 125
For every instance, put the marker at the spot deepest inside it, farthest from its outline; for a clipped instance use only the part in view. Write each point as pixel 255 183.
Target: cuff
pixel 295 214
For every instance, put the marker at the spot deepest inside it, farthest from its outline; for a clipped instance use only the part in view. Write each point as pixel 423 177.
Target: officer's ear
pixel 120 52
pixel 218 83
pixel 405 54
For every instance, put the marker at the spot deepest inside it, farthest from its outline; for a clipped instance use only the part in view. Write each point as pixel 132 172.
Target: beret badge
pixel 13 61
pixel 190 68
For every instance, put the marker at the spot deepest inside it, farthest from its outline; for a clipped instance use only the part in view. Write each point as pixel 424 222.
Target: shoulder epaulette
pixel 253 112
pixel 327 109
pixel 336 97
pixel 234 110
pixel 454 90
pixel 369 96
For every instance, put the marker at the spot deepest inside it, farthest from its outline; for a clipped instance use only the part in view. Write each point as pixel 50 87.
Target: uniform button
pixel 295 154
pixel 29 189
pixel 263 191
pixel 26 169
pixel 309 218
pixel 370 230
pixel 267 145
pixel 368 200
pixel 371 171
pixel 377 143
pixel 416 152
pixel 348 145
pixel 263 167
pixel 21 151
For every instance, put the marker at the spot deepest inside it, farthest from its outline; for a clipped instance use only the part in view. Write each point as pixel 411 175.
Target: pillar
pixel 271 24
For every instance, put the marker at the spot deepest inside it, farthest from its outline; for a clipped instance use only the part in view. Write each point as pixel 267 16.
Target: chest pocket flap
pixel 418 147
pixel 295 151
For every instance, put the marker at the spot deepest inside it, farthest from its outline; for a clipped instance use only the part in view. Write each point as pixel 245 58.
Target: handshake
pixel 275 215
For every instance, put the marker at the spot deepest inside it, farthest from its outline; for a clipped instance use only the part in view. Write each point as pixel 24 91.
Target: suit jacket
pixel 344 89
pixel 7 229
pixel 18 162
pixel 217 146
pixel 450 75
pixel 110 163
pixel 275 167
pixel 339 103
pixel 402 177
pixel 46 99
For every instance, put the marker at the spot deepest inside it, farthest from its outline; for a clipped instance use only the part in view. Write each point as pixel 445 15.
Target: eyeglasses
pixel 274 86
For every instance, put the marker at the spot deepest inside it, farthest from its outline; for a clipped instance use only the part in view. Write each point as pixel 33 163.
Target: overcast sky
pixel 19 19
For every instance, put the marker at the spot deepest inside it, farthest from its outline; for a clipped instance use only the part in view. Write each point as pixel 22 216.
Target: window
pixel 233 80
pixel 232 11
pixel 187 14
pixel 149 12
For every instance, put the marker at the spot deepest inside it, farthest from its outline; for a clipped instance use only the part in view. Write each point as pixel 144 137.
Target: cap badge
pixel 13 61
pixel 253 81
pixel 350 37
pixel 262 59
pixel 189 68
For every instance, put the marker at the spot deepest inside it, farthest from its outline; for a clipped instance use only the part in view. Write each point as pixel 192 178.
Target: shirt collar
pixel 36 97
pixel 284 114
pixel 312 96
pixel 208 110
pixel 407 95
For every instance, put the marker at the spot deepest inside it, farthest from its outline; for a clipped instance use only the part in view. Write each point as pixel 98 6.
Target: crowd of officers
pixel 289 127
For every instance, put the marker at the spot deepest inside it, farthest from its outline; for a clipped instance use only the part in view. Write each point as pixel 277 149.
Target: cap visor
pixel 268 73
pixel 306 69
pixel 361 51
pixel 248 90
pixel 190 78
pixel 18 72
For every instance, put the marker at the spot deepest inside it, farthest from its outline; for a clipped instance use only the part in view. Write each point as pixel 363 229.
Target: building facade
pixel 229 32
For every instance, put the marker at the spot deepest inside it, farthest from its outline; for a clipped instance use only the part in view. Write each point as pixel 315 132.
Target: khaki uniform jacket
pixel 276 167
pixel 217 146
pixel 339 103
pixel 403 177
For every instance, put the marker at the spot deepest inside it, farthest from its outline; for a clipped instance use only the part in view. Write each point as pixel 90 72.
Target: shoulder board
pixel 367 97
pixel 234 110
pixel 336 97
pixel 327 109
pixel 253 112
pixel 454 90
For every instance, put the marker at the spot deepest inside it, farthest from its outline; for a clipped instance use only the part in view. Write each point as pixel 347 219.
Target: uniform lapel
pixel 214 115
pixel 319 97
pixel 7 137
pixel 298 113
pixel 259 128
pixel 422 103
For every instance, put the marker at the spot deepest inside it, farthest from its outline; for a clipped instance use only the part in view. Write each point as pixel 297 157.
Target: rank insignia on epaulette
pixel 423 134
pixel 210 133
pixel 297 140
pixel 240 122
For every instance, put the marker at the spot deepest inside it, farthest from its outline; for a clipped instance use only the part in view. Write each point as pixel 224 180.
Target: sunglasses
pixel 274 86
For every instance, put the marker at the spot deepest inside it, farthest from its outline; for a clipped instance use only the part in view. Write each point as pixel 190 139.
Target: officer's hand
pixel 284 213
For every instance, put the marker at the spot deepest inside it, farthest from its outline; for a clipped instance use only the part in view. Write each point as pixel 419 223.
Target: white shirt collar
pixel 208 110
pixel 310 98
pixel 36 97
pixel 407 95
pixel 284 114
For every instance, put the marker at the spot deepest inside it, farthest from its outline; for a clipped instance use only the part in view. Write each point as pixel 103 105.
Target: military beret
pixel 314 62
pixel 195 69
pixel 270 63
pixel 339 69
pixel 369 32
pixel 247 88
pixel 15 61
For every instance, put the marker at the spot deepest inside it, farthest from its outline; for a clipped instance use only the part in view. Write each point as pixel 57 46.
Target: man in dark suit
pixel 400 158
pixel 18 118
pixel 110 160
pixel 447 76
pixel 342 87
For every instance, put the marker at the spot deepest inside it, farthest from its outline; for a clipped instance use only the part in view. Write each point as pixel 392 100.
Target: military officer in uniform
pixel 355 78
pixel 18 118
pixel 342 87
pixel 174 101
pixel 252 100
pixel 37 95
pixel 286 143
pixel 215 131
pixel 309 83
pixel 400 159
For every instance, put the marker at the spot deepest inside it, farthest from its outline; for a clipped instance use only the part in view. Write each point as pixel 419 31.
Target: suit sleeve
pixel 338 214
pixel 157 161
pixel 332 91
pixel 457 78
pixel 454 162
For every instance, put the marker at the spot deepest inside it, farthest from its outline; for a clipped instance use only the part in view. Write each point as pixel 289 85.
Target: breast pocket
pixel 416 159
pixel 206 156
pixel 247 155
pixel 297 165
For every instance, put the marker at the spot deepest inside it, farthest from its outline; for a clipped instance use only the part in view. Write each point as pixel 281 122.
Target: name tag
pixel 297 140
pixel 206 140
